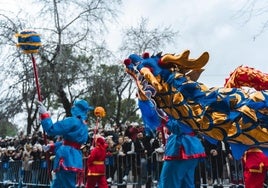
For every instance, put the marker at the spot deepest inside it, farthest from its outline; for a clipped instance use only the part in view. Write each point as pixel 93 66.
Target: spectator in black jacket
pixel 217 154
pixel 143 151
pixel 159 148
pixel 128 149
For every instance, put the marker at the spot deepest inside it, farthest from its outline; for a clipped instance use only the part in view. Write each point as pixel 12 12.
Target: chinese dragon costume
pixel 168 92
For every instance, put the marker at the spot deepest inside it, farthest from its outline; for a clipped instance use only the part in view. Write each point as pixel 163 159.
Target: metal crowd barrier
pixel 13 174
pixel 131 169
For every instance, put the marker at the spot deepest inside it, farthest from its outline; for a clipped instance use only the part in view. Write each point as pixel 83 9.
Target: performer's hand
pixel 46 148
pixel 230 156
pixel 42 110
pixel 214 152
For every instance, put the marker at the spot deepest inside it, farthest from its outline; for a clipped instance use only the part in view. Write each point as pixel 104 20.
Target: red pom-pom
pixel 145 55
pixel 127 62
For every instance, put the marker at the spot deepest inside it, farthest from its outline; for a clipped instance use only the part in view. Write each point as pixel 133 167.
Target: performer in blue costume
pixel 74 131
pixel 182 154
pixel 183 149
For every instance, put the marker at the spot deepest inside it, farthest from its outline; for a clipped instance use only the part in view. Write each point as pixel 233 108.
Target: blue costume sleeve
pixel 72 129
pixel 149 113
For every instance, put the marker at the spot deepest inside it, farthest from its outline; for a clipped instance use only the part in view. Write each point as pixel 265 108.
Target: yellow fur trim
pixel 26 35
pixel 98 162
pixel 29 43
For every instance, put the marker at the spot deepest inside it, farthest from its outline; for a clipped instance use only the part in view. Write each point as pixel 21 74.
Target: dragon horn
pixel 183 60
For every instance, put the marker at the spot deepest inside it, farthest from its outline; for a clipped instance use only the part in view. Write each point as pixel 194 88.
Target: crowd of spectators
pixel 29 148
pixel 21 150
pixel 130 149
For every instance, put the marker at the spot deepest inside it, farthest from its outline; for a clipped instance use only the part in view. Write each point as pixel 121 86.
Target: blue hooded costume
pixel 182 151
pixel 68 156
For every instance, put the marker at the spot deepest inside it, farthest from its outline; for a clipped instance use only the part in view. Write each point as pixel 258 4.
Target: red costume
pixel 95 165
pixel 255 165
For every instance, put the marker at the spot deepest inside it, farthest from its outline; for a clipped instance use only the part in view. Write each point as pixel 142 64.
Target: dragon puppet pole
pixel 40 99
pixel 99 112
pixel 95 131
pixel 30 42
pixel 36 78
pixel 39 96
pixel 37 88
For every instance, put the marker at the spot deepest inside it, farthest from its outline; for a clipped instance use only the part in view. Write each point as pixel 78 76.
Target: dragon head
pixel 156 71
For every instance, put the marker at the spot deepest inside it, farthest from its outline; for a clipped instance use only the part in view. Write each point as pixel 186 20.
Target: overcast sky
pixel 215 26
pixel 203 25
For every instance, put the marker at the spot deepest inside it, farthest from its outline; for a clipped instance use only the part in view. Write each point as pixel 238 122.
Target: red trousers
pixel 92 181
pixel 254 180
